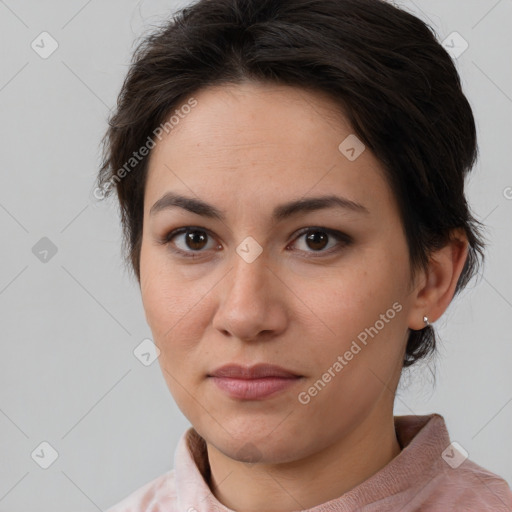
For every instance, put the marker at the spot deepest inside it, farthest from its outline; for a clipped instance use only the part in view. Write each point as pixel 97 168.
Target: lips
pixel 254 382
pixel 258 371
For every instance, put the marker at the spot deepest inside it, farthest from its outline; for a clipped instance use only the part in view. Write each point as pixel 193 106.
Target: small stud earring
pixel 425 319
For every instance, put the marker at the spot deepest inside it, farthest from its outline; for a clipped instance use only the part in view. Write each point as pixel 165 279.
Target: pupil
pixel 193 239
pixel 315 237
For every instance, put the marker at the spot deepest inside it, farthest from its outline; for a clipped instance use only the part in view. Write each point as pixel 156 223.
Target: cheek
pixel 357 297
pixel 356 365
pixel 363 307
pixel 177 309
pixel 164 302
pixel 173 318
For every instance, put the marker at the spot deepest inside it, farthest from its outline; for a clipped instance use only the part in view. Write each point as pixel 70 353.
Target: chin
pixel 252 444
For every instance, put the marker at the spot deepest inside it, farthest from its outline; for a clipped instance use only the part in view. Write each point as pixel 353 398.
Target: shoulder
pixel 437 475
pixel 158 494
pixel 470 487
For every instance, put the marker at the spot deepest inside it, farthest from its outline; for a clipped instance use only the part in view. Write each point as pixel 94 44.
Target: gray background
pixel 69 325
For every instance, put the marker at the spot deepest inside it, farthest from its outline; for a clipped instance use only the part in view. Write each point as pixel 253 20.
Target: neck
pixel 311 481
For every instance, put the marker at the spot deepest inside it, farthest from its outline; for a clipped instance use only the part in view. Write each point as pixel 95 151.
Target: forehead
pixel 261 141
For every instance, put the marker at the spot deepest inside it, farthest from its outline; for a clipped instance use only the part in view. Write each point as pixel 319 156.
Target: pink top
pixel 429 474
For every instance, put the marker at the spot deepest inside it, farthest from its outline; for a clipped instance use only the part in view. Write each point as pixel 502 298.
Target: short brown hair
pixel 395 82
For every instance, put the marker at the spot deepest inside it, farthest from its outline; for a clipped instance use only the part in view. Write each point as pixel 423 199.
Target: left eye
pixel 317 239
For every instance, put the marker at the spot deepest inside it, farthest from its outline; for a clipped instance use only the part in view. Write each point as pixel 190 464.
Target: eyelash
pixel 343 239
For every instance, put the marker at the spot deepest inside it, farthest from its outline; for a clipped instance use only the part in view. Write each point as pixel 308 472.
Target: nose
pixel 251 303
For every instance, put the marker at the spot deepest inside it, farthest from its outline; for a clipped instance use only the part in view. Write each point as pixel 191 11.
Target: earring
pixel 425 319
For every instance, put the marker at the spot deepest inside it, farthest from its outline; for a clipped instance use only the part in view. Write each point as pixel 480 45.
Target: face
pixel 322 292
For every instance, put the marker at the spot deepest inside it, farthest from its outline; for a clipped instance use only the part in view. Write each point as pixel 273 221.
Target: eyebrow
pixel 309 204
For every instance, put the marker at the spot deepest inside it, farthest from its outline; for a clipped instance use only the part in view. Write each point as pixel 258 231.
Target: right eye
pixel 192 243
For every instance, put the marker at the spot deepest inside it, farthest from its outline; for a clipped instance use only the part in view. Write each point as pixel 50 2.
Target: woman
pixel 291 182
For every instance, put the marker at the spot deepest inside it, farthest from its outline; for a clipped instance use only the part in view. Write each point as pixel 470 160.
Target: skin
pixel 246 149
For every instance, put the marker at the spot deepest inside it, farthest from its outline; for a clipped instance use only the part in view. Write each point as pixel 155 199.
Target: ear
pixel 436 285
